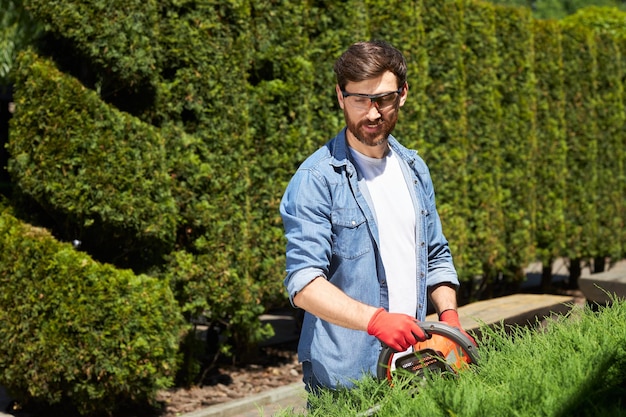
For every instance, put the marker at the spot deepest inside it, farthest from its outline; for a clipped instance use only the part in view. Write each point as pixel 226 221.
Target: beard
pixel 372 132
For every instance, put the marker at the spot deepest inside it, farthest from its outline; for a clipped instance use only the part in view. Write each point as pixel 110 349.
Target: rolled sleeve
pixel 300 279
pixel 306 217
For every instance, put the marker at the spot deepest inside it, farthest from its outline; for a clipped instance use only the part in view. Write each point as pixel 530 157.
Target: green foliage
pixel 205 287
pixel 558 9
pixel 287 94
pixel 17 31
pixel 445 126
pixel 581 213
pixel 606 20
pixel 609 25
pixel 518 134
pixel 610 143
pixel 93 166
pixel 574 366
pixel 79 333
pixel 551 171
pixel 120 37
pixel 483 138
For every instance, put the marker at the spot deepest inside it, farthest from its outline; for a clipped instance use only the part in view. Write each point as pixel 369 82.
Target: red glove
pixel 451 317
pixel 398 331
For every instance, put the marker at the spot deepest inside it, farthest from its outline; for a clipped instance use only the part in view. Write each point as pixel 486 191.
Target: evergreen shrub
pixel 484 114
pixel 101 173
pixel 80 334
pixel 551 169
pixel 609 26
pixel 580 82
pixel 445 147
pixel 225 302
pixel 518 135
pixel 119 37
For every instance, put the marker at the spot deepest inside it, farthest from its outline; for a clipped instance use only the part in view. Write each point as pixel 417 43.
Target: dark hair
pixel 367 60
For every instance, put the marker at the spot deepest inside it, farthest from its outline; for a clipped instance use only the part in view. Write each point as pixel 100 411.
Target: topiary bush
pixel 78 333
pixel 100 173
pixel 120 37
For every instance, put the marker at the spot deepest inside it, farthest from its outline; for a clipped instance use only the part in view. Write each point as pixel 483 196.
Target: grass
pixel 573 366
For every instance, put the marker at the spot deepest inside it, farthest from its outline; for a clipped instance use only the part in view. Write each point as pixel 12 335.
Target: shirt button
pixel 422 244
pixel 353 223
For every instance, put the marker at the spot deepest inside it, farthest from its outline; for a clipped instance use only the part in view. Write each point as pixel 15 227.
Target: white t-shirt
pixel 395 217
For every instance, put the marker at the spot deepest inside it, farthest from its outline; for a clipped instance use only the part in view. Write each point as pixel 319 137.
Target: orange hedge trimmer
pixel 446 350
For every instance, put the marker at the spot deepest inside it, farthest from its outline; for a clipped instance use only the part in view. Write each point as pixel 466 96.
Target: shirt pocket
pixel 350 233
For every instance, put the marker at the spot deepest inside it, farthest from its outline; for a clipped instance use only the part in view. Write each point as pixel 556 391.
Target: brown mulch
pixel 275 366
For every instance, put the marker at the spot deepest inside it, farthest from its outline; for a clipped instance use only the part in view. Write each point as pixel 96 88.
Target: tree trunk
pixel 546 277
pixel 574 272
pixel 599 264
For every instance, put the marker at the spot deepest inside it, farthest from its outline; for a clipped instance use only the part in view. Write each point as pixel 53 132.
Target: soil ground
pixel 275 366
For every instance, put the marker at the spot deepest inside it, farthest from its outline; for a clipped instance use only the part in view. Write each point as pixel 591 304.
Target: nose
pixel 373 113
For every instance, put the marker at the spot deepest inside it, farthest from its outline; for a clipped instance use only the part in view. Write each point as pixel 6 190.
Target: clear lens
pixel 365 102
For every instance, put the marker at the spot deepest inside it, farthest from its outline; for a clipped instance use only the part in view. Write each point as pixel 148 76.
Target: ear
pixel 404 94
pixel 339 96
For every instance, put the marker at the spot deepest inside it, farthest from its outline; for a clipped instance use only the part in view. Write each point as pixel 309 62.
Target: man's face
pixel 369 124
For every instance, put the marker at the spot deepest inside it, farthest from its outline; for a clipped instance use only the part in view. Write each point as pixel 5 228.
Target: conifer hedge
pixel 580 72
pixel 609 26
pixel 484 116
pixel 445 124
pixel 518 133
pixel 102 174
pixel 610 158
pixel 551 165
pixel 79 334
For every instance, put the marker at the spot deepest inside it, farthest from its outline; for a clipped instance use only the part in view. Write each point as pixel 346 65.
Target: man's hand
pixel 398 331
pixel 451 317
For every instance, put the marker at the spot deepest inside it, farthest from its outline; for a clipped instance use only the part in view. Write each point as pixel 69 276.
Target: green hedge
pixel 445 125
pixel 551 161
pixel 580 72
pixel 77 333
pixel 609 25
pixel 484 116
pixel 121 37
pixel 610 159
pixel 518 134
pixel 101 173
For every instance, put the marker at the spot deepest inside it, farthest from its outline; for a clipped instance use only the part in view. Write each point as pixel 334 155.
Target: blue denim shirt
pixel 331 232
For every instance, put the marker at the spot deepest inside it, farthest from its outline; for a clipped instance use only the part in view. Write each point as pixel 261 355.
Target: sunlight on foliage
pixel 574 365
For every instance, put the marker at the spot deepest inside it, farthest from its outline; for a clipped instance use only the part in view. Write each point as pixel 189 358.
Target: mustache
pixel 377 122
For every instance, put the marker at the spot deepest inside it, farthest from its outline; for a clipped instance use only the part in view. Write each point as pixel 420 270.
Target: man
pixel 365 248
